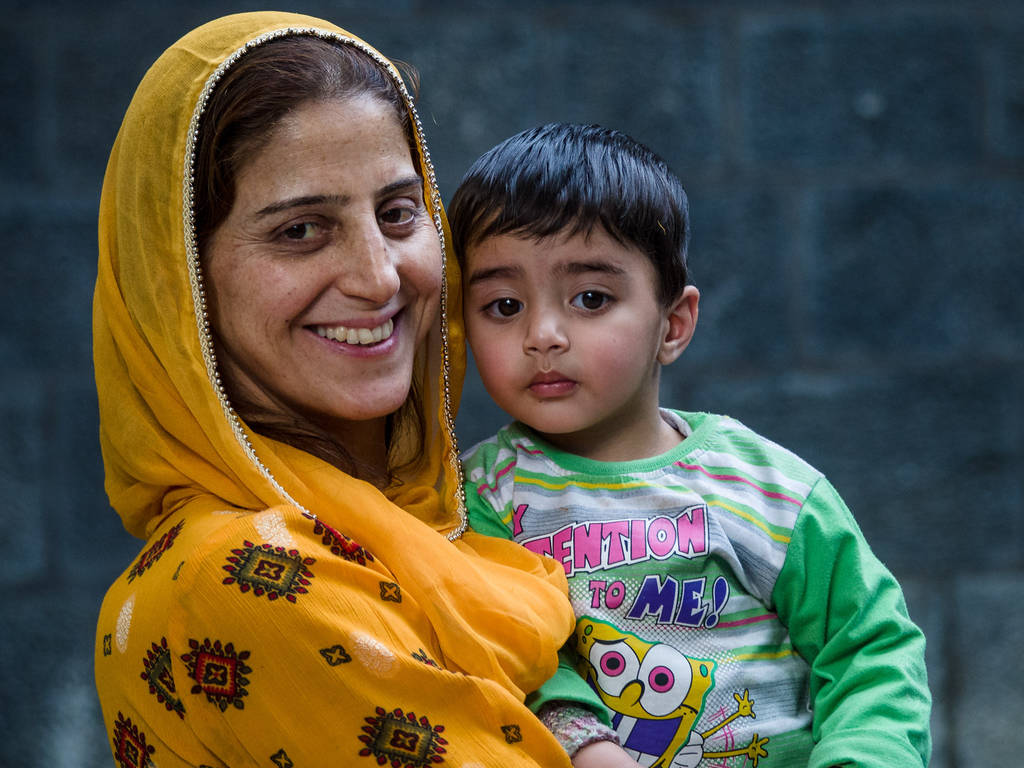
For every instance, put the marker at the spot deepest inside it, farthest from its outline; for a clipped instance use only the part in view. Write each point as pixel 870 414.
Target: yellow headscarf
pixel 435 632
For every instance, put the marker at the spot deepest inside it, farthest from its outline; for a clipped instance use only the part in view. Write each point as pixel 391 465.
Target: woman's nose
pixel 367 269
pixel 545 334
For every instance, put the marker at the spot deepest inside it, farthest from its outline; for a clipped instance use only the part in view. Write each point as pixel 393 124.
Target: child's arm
pixel 603 754
pixel 589 742
pixel 847 617
pixel 566 686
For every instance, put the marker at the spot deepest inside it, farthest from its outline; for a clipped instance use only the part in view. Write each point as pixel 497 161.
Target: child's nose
pixel 545 334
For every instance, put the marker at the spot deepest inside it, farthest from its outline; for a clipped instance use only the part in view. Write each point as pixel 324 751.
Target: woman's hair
pixel 564 178
pixel 250 101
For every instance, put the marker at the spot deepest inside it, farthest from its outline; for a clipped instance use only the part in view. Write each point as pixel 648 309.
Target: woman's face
pixel 325 276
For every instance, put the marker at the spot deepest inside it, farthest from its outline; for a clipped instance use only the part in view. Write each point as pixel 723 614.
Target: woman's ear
pixel 680 323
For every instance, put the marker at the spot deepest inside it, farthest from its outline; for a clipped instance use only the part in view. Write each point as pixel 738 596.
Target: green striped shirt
pixel 729 610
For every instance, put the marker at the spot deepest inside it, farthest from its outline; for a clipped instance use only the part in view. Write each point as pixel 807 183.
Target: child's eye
pixel 590 300
pixel 504 307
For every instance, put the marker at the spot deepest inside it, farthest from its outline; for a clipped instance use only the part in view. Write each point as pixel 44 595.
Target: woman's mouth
pixel 356 336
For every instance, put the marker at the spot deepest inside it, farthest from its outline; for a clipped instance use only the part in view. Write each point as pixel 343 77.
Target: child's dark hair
pixel 567 178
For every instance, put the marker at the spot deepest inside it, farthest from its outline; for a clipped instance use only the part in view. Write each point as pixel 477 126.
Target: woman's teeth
pixel 357 335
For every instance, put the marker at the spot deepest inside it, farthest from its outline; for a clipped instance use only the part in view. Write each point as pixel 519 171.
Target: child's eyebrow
pixel 582 267
pixel 511 271
pixel 494 273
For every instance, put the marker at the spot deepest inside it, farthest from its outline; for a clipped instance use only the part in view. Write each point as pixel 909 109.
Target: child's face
pixel 568 334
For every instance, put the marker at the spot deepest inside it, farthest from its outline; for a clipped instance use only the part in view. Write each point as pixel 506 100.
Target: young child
pixel 729 609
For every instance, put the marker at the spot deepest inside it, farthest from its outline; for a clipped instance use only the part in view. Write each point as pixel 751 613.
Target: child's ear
pixel 680 323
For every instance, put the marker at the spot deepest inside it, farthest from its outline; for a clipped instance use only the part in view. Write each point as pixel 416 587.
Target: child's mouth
pixel 551 384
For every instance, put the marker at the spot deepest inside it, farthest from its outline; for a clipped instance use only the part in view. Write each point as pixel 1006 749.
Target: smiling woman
pixel 322 191
pixel 327 247
pixel 278 347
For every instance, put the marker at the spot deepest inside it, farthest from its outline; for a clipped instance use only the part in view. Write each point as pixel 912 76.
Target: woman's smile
pixel 357 335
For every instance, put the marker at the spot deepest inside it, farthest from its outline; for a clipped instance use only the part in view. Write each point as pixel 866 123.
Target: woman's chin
pixel 375 407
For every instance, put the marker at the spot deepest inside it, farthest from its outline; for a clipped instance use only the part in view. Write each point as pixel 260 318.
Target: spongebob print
pixel 657 696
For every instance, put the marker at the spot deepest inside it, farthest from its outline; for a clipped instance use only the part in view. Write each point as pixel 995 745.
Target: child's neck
pixel 634 441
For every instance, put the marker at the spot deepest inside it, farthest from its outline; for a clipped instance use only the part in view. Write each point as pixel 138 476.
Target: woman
pixel 277 348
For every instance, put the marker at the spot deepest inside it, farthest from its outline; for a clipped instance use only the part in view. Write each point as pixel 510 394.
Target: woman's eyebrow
pixel 408 182
pixel 298 202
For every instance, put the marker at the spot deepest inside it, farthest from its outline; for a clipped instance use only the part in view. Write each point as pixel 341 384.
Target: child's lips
pixel 551 384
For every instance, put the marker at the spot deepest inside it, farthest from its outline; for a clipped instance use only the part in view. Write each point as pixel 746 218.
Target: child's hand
pixel 603 754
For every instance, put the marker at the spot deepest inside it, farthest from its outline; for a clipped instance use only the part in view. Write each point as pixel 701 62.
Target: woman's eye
pixel 302 231
pixel 398 215
pixel 590 300
pixel 505 307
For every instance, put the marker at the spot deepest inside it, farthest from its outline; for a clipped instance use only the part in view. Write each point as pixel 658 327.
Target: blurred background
pixel 856 175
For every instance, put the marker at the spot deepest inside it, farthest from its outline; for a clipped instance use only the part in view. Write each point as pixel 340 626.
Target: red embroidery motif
pixel 268 570
pixel 219 672
pixel 130 748
pixel 151 555
pixel 402 739
pixel 339 543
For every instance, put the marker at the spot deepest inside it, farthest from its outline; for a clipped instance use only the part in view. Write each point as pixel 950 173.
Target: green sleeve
pixel 567 685
pixel 847 617
pixel 484 480
pixel 483 518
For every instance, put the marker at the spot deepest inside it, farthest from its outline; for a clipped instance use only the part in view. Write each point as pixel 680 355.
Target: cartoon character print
pixel 657 696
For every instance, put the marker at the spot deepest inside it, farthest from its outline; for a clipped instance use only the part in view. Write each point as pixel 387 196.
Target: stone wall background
pixel 856 172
